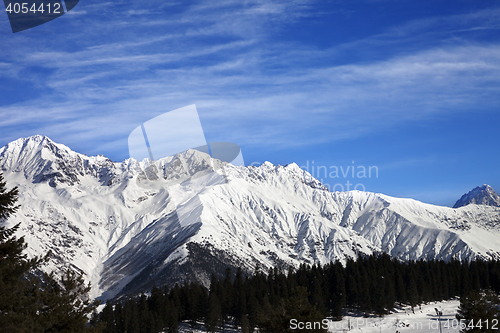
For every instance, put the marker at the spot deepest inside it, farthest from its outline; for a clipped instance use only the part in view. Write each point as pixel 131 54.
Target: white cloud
pixel 248 89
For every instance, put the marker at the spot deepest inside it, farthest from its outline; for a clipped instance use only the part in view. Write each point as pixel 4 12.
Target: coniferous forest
pixel 370 284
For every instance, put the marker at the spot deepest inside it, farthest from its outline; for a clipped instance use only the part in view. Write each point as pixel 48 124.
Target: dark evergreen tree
pixel 338 291
pixel 296 307
pixel 131 316
pixel 317 293
pixel 172 317
pixel 412 290
pixel 239 302
pixel 352 287
pixel 226 295
pixel 157 304
pixel 17 308
pixel 8 199
pixel 245 324
pixel 119 320
pixel 31 304
pixel 253 311
pixel 380 295
pixel 400 285
pixel 364 294
pixel 65 305
pixel 478 311
pixel 108 318
pixel 213 318
pixel 465 284
pixel 475 280
pixel 18 301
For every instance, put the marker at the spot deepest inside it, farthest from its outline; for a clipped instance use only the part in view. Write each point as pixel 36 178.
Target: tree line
pixel 371 284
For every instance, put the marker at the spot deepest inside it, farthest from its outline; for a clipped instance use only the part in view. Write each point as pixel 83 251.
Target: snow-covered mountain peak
pixel 40 160
pixel 288 174
pixel 27 148
pixel 481 195
pixel 130 225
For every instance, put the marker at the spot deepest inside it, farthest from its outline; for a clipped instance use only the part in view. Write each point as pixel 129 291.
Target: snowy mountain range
pixel 131 225
pixel 481 195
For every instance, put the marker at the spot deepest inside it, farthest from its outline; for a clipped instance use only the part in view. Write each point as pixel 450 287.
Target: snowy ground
pixel 424 320
pixel 186 328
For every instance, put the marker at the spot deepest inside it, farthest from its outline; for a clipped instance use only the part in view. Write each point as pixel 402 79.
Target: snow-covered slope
pixel 134 224
pixel 402 319
pixel 481 195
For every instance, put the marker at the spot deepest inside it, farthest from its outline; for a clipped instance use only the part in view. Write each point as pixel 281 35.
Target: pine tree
pixel 317 294
pixel 239 301
pixel 8 199
pixel 65 304
pixel 478 310
pixel 131 314
pixel 253 310
pixel 18 303
pixel 172 317
pixel 379 296
pixel 245 324
pixel 365 302
pixel 338 290
pixel 400 286
pixel 297 307
pixel 214 315
pixel 31 304
pixel 157 304
pixel 475 280
pixel 413 296
pixel 227 295
pixel 119 320
pixel 465 284
pixel 108 318
pixel 17 296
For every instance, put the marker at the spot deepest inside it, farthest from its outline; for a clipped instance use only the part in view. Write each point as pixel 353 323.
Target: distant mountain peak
pixel 34 139
pixel 481 195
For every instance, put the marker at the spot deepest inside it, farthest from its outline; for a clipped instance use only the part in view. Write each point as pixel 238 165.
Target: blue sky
pixel 411 87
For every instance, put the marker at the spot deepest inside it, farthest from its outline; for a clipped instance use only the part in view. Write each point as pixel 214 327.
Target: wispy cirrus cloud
pixel 99 82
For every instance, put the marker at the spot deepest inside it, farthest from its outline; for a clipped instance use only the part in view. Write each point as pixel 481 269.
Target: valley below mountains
pixel 131 225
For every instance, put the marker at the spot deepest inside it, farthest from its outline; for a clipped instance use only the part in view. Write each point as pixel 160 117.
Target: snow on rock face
pixel 42 160
pixel 131 225
pixel 481 195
